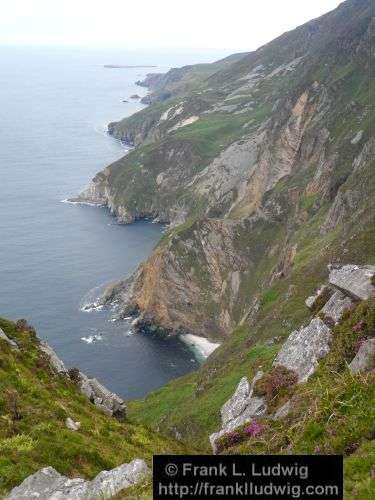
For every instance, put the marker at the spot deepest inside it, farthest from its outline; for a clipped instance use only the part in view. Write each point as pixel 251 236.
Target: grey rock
pixel 55 361
pixel 48 484
pixel 11 342
pixel 336 305
pixel 85 387
pixel 110 403
pixel 240 408
pixel 353 280
pixel 237 403
pixel 283 411
pixel 304 348
pixel 109 483
pixel 73 426
pixel 363 359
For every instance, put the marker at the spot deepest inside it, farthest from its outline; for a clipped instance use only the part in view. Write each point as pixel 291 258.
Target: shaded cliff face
pixel 254 167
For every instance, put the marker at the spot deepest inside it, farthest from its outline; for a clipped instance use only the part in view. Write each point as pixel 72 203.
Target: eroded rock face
pixel 240 408
pixel 304 348
pixel 353 280
pixel 47 484
pixel 363 360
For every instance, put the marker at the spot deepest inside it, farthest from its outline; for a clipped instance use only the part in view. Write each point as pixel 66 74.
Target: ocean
pixel 54 257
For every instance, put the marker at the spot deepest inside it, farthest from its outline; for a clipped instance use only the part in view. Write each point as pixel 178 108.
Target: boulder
pixel 304 348
pixel 70 424
pixel 47 484
pixel 335 307
pixel 11 342
pixel 110 403
pixel 363 360
pixel 353 280
pixel 55 361
pixel 240 408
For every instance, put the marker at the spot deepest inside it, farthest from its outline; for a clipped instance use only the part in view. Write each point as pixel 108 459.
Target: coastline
pixel 201 347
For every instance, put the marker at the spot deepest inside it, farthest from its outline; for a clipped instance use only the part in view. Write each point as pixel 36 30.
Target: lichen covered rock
pixel 47 483
pixel 304 348
pixel 353 280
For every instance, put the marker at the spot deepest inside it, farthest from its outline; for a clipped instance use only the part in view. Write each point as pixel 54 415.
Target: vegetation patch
pixel 275 382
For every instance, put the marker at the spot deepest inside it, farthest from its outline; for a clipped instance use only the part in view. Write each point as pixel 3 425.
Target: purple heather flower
pixel 254 428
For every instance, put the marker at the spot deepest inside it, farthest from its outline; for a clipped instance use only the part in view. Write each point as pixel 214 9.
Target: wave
pixel 92 299
pixel 88 203
pixel 92 307
pixel 92 338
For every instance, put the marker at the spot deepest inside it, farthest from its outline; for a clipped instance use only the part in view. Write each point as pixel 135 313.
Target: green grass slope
pixel 34 403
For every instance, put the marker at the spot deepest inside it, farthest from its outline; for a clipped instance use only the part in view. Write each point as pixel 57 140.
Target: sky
pixel 237 25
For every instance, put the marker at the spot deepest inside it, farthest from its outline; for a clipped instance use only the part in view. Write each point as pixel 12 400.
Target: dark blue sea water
pixel 54 106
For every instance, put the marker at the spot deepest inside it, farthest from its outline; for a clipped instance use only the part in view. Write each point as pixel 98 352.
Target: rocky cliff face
pixel 249 164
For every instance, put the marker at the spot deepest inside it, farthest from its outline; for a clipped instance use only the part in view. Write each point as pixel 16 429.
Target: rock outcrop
pixel 239 409
pixel 107 401
pixel 48 484
pixel 354 281
pixel 304 348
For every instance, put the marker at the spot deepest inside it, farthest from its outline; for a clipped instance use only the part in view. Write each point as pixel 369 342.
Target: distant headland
pixel 126 67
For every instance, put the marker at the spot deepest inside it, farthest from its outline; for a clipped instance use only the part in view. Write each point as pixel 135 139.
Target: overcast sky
pixel 195 24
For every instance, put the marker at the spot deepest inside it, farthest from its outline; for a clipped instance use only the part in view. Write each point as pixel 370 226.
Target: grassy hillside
pixel 34 403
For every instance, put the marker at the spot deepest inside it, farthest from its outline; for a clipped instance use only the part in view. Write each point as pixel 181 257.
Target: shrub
pixel 23 326
pixel 273 382
pixel 240 435
pixel 74 375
